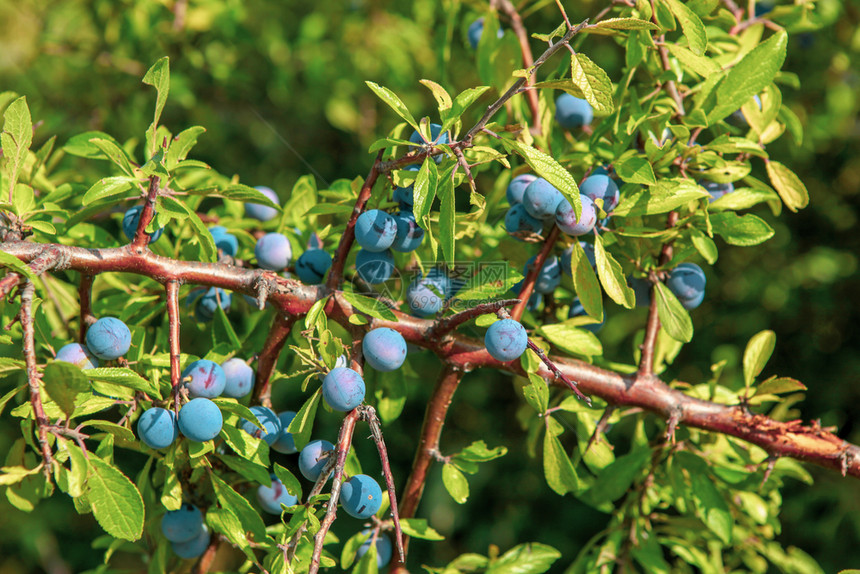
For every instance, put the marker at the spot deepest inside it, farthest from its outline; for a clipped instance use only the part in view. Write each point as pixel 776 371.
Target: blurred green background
pixel 280 88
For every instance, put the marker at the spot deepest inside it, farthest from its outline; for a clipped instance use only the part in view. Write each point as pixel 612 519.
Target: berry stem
pixel 558 372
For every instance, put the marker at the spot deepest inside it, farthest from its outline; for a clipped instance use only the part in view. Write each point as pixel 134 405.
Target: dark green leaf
pixel 237 504
pixel 248 469
pixel 558 470
pixel 711 507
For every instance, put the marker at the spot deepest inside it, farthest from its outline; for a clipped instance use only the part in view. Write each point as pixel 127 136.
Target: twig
pixel 172 289
pixel 281 327
pixel 671 87
pixel 599 428
pixel 85 293
pixel 141 237
pixel 33 376
pixel 558 372
pixel 528 59
pixel 446 325
pixel 531 277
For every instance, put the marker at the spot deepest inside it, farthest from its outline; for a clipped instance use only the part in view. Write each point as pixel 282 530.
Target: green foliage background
pixel 280 88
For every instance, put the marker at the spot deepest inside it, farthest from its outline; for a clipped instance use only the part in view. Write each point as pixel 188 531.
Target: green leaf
pixel 16 138
pixel 443 99
pixel 572 340
pixel 622 24
pixel 158 76
pixel 673 317
pixel 114 153
pixel 182 144
pixel 704 245
pixel 611 276
pixel 479 452
pixel 302 425
pixel 15 474
pixel 749 76
pixel 633 168
pixel 80 470
pixel 699 64
pixel 758 351
pixel 239 506
pixel 418 528
pixel 108 187
pixel 393 102
pixel 424 189
pixel 788 185
pixel 548 168
pixel 289 480
pixel 116 502
pixel 692 26
pixel 208 251
pixel 529 558
pixel 124 377
pixel 81 145
pixel 558 470
pixel 118 431
pixel 777 386
pixel 536 392
pixel 455 483
pixel 594 83
pixel 237 192
pixel 743 230
pixel 4 400
pixel 614 480
pixel 461 103
pixel 252 448
pixel 666 195
pixel 491 280
pixel 370 306
pixel 248 469
pixel 13 263
pixel 446 219
pixel 711 507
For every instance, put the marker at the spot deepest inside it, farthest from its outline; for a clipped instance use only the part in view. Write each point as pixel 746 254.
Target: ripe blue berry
pixel 314 457
pixel 687 282
pixel 226 242
pixel 506 340
pixel 263 212
pixel 182 525
pixel 375 230
pixel 361 496
pixel 200 419
pixel 343 389
pixel 312 266
pixel 641 289
pixel 384 549
pixel 272 497
pixel 409 234
pixel 566 220
pixel 285 443
pixel 384 349
pixel 273 251
pixel 77 354
pixel 108 338
pixel 520 225
pixel 239 376
pixel 541 199
pixel 130 221
pixel 435 138
pixel 271 430
pixel 597 186
pixel 195 547
pixel 572 112
pixel 426 295
pixel 374 267
pixel 208 303
pixel 517 187
pixel 476 30
pixel 717 190
pixel 404 195
pixel 157 427
pixel 577 310
pixel 204 378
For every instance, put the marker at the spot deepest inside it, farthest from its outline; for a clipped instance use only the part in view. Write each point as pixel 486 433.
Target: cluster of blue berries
pixel 107 339
pixel 185 530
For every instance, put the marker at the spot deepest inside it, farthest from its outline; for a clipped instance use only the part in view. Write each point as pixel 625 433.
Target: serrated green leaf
pixel 699 64
pixel 633 168
pixel 182 144
pixel 674 319
pixel 692 26
pixel 248 469
pixel 424 190
pixel 394 102
pixel 743 230
pixel 79 471
pixel 63 382
pixel 116 502
pixel 548 168
pixel 572 340
pixel 758 351
pixel 443 99
pixel 113 152
pixel 611 276
pixel 124 377
pixel 788 185
pixel 535 391
pixel 594 83
pixel 704 245
pixel 158 76
pixel 711 507
pixel 302 425
pixel 777 386
pixel 16 138
pixel 370 306
pixel 245 445
pixel 490 281
pixel 108 187
pixel 455 483
pixel 208 251
pixel 239 506
pixel 666 195
pixel 479 452
pixel 622 24
pixel 585 282
pixel 289 480
pixel 558 470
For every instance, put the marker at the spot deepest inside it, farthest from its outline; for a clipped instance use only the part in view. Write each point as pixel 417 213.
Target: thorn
pixel 771 463
pixel 672 423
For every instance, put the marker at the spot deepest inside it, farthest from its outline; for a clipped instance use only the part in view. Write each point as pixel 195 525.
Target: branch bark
pixel 281 327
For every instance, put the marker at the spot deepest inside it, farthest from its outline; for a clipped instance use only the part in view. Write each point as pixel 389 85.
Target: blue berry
pixel 541 199
pixel 226 242
pixel 426 295
pixel 506 340
pixel 549 276
pixel 157 428
pixel 312 266
pixel 409 234
pixel 271 425
pixel 517 187
pixel 641 289
pixel 314 457
pixel 476 30
pixel 108 338
pixel 717 190
pixel 374 267
pixel 239 378
pixel 195 547
pixel 182 525
pixel 597 186
pixel 200 419
pixel 273 251
pixel 204 378
pixel 687 282
pixel 361 496
pixel 375 230
pixel 566 220
pixel 343 389
pixel 384 549
pixel 577 310
pixel 263 212
pixel 208 303
pixel 520 225
pixel 404 195
pixel 588 248
pixel 130 221
pixel 435 138
pixel 384 349
pixel 77 354
pixel 272 497
pixel 285 443
pixel 572 112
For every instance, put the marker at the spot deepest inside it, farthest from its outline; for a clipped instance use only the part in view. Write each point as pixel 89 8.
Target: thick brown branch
pixel 33 376
pixel 172 288
pixel 281 327
pixel 428 446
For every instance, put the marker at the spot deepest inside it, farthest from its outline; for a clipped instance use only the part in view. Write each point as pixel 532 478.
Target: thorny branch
pixel 33 376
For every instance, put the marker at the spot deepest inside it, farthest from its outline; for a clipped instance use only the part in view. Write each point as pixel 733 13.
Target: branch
pixel 558 372
pixel 33 376
pixel 49 258
pixel 792 439
pixel 448 324
pixel 172 288
pixel 281 327
pixel 671 88
pixel 528 60
pixel 141 237
pixel 529 282
pixel 431 430
pixel 652 326
pixel 85 294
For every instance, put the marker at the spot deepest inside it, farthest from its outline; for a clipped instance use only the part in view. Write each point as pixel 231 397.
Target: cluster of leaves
pixel 666 500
